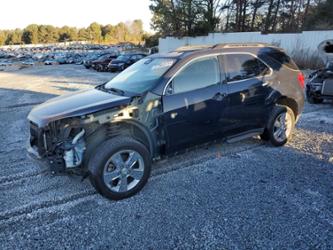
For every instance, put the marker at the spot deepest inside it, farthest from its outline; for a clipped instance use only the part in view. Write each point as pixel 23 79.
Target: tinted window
pixel 243 66
pixel 282 58
pixel 198 74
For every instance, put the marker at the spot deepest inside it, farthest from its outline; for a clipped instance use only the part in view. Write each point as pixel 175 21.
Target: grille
pixel 327 87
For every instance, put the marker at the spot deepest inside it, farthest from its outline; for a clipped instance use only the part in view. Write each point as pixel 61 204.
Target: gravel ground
pixel 246 195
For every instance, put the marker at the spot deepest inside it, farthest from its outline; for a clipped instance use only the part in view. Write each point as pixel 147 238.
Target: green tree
pixel 67 34
pixel 95 32
pixel 166 18
pixel 150 40
pixel 3 37
pixel 121 32
pixel 108 33
pixel 14 37
pixel 136 32
pixel 185 17
pixel 47 34
pixel 30 34
pixel 320 17
pixel 83 35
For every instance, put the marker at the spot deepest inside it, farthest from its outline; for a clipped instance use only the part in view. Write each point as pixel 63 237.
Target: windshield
pixel 122 58
pixel 141 76
pixel 103 57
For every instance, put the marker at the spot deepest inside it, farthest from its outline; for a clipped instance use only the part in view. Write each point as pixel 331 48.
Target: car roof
pixel 132 54
pixel 198 50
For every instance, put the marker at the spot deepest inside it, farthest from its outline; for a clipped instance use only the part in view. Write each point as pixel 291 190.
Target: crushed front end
pixel 61 144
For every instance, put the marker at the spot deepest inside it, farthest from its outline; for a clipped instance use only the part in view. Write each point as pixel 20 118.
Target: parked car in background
pixel 87 62
pixel 51 62
pixel 164 104
pixel 123 61
pixel 53 54
pixel 101 64
pixel 28 62
pixel 320 85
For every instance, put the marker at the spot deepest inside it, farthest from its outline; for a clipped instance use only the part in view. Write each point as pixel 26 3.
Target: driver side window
pixel 198 74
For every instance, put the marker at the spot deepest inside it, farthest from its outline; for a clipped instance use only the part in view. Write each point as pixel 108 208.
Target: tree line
pixel 111 34
pixel 200 17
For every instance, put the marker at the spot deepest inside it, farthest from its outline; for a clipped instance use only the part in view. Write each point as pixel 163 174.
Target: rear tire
pixel 280 125
pixel 119 167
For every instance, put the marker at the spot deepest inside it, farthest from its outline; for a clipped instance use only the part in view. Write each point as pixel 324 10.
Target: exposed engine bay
pixel 62 144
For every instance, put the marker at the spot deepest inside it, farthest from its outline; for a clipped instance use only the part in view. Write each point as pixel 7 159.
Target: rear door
pixel 192 103
pixel 247 91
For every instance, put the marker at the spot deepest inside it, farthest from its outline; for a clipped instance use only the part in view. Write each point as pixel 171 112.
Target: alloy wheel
pixel 123 171
pixel 282 126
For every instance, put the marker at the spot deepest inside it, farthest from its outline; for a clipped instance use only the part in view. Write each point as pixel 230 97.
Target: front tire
pixel 119 167
pixel 280 126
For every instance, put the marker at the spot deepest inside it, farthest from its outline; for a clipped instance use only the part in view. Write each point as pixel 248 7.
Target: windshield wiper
pixel 119 91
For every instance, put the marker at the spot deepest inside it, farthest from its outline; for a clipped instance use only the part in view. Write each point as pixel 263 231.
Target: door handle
pixel 173 115
pixel 219 96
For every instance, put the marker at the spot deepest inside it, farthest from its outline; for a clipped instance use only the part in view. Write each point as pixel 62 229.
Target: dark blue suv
pixel 163 104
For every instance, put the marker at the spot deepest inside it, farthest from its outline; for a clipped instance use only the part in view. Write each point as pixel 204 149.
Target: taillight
pixel 301 79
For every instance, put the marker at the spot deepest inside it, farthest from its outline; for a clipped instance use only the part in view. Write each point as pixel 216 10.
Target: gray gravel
pixel 245 195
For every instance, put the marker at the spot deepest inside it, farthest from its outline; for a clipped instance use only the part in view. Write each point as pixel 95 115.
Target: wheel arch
pixel 130 128
pixel 142 134
pixel 289 102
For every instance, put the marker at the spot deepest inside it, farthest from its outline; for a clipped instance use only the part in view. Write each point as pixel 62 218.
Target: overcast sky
pixel 78 13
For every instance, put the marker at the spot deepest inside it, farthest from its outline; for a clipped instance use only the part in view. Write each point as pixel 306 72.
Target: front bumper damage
pixel 51 147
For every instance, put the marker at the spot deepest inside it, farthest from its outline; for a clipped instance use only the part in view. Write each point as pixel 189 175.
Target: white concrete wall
pixel 306 41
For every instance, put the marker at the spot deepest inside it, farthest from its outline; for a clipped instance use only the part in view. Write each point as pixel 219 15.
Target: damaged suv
pixel 320 85
pixel 163 104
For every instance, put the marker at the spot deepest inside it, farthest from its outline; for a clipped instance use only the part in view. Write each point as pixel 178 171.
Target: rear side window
pixel 199 74
pixel 282 58
pixel 243 66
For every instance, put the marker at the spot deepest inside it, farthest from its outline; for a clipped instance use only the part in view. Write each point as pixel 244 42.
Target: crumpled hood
pixel 75 104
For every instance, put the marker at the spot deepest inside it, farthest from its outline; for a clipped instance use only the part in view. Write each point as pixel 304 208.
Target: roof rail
pixel 232 45
pixel 193 47
pixel 221 46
